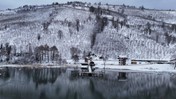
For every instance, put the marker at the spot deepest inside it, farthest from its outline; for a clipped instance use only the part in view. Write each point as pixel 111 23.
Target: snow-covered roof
pixel 122 56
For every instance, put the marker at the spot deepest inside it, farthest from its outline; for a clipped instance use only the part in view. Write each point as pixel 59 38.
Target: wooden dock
pixel 77 73
pixel 93 74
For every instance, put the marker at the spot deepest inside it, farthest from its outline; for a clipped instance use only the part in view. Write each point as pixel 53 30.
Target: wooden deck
pixel 88 74
pixel 78 73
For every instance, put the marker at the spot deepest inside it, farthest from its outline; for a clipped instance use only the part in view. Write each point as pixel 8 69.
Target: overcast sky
pixel 158 4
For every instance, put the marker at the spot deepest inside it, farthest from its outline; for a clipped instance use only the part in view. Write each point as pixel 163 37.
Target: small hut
pixel 133 62
pixel 122 60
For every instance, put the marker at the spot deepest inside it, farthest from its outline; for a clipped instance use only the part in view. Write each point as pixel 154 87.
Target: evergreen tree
pixel 60 34
pixel 75 54
pixel 77 25
pixel 38 37
pixel 91 9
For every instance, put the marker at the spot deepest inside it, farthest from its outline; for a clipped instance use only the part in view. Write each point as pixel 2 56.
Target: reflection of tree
pixel 44 76
pixel 71 95
pixel 43 95
pixel 122 76
pixel 27 73
pixel 74 75
pixel 96 94
pixel 138 86
pixel 5 75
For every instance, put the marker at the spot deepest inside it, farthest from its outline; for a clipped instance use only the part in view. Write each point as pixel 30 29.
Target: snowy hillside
pixel 106 30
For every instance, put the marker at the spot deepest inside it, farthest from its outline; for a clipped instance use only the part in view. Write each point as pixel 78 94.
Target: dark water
pixel 26 83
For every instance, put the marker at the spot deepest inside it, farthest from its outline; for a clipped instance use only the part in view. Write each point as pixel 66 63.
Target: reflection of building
pixel 122 60
pixel 122 76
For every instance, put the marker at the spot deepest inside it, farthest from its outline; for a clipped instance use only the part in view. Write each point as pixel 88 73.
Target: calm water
pixel 26 83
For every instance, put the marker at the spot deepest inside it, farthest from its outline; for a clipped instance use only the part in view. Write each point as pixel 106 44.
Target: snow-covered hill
pixel 106 30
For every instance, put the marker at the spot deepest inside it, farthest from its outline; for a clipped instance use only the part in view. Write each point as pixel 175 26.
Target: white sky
pixel 158 4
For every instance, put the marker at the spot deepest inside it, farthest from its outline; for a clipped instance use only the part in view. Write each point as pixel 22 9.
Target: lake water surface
pixel 52 83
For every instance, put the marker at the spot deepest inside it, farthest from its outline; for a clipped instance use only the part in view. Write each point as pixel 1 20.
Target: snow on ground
pixel 7 12
pixel 18 29
pixel 110 65
pixel 142 67
pixel 137 67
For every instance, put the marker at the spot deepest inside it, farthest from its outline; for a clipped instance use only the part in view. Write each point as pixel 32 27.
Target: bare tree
pixel 54 53
pixel 41 53
pixel 46 53
pixel 60 34
pixel 105 58
pixel 45 26
pixel 71 32
pixel 30 49
pixel 149 28
pixel 38 37
pixel 77 25
pixel 8 51
pixel 75 57
pixel 75 54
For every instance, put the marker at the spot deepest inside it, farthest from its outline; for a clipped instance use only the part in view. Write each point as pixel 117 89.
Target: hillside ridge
pixel 53 33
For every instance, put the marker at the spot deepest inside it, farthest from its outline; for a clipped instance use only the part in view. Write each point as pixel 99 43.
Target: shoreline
pixel 127 68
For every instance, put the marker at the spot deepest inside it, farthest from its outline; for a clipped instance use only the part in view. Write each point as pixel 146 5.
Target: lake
pixel 59 83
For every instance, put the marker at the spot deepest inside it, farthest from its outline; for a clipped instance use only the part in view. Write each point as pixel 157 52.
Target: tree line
pixel 39 54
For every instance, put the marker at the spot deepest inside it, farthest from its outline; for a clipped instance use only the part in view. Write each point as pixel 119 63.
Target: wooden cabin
pixel 122 60
pixel 133 62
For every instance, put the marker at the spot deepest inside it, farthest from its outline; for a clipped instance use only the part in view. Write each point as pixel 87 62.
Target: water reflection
pixel 122 76
pixel 30 83
pixel 44 76
pixel 4 73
